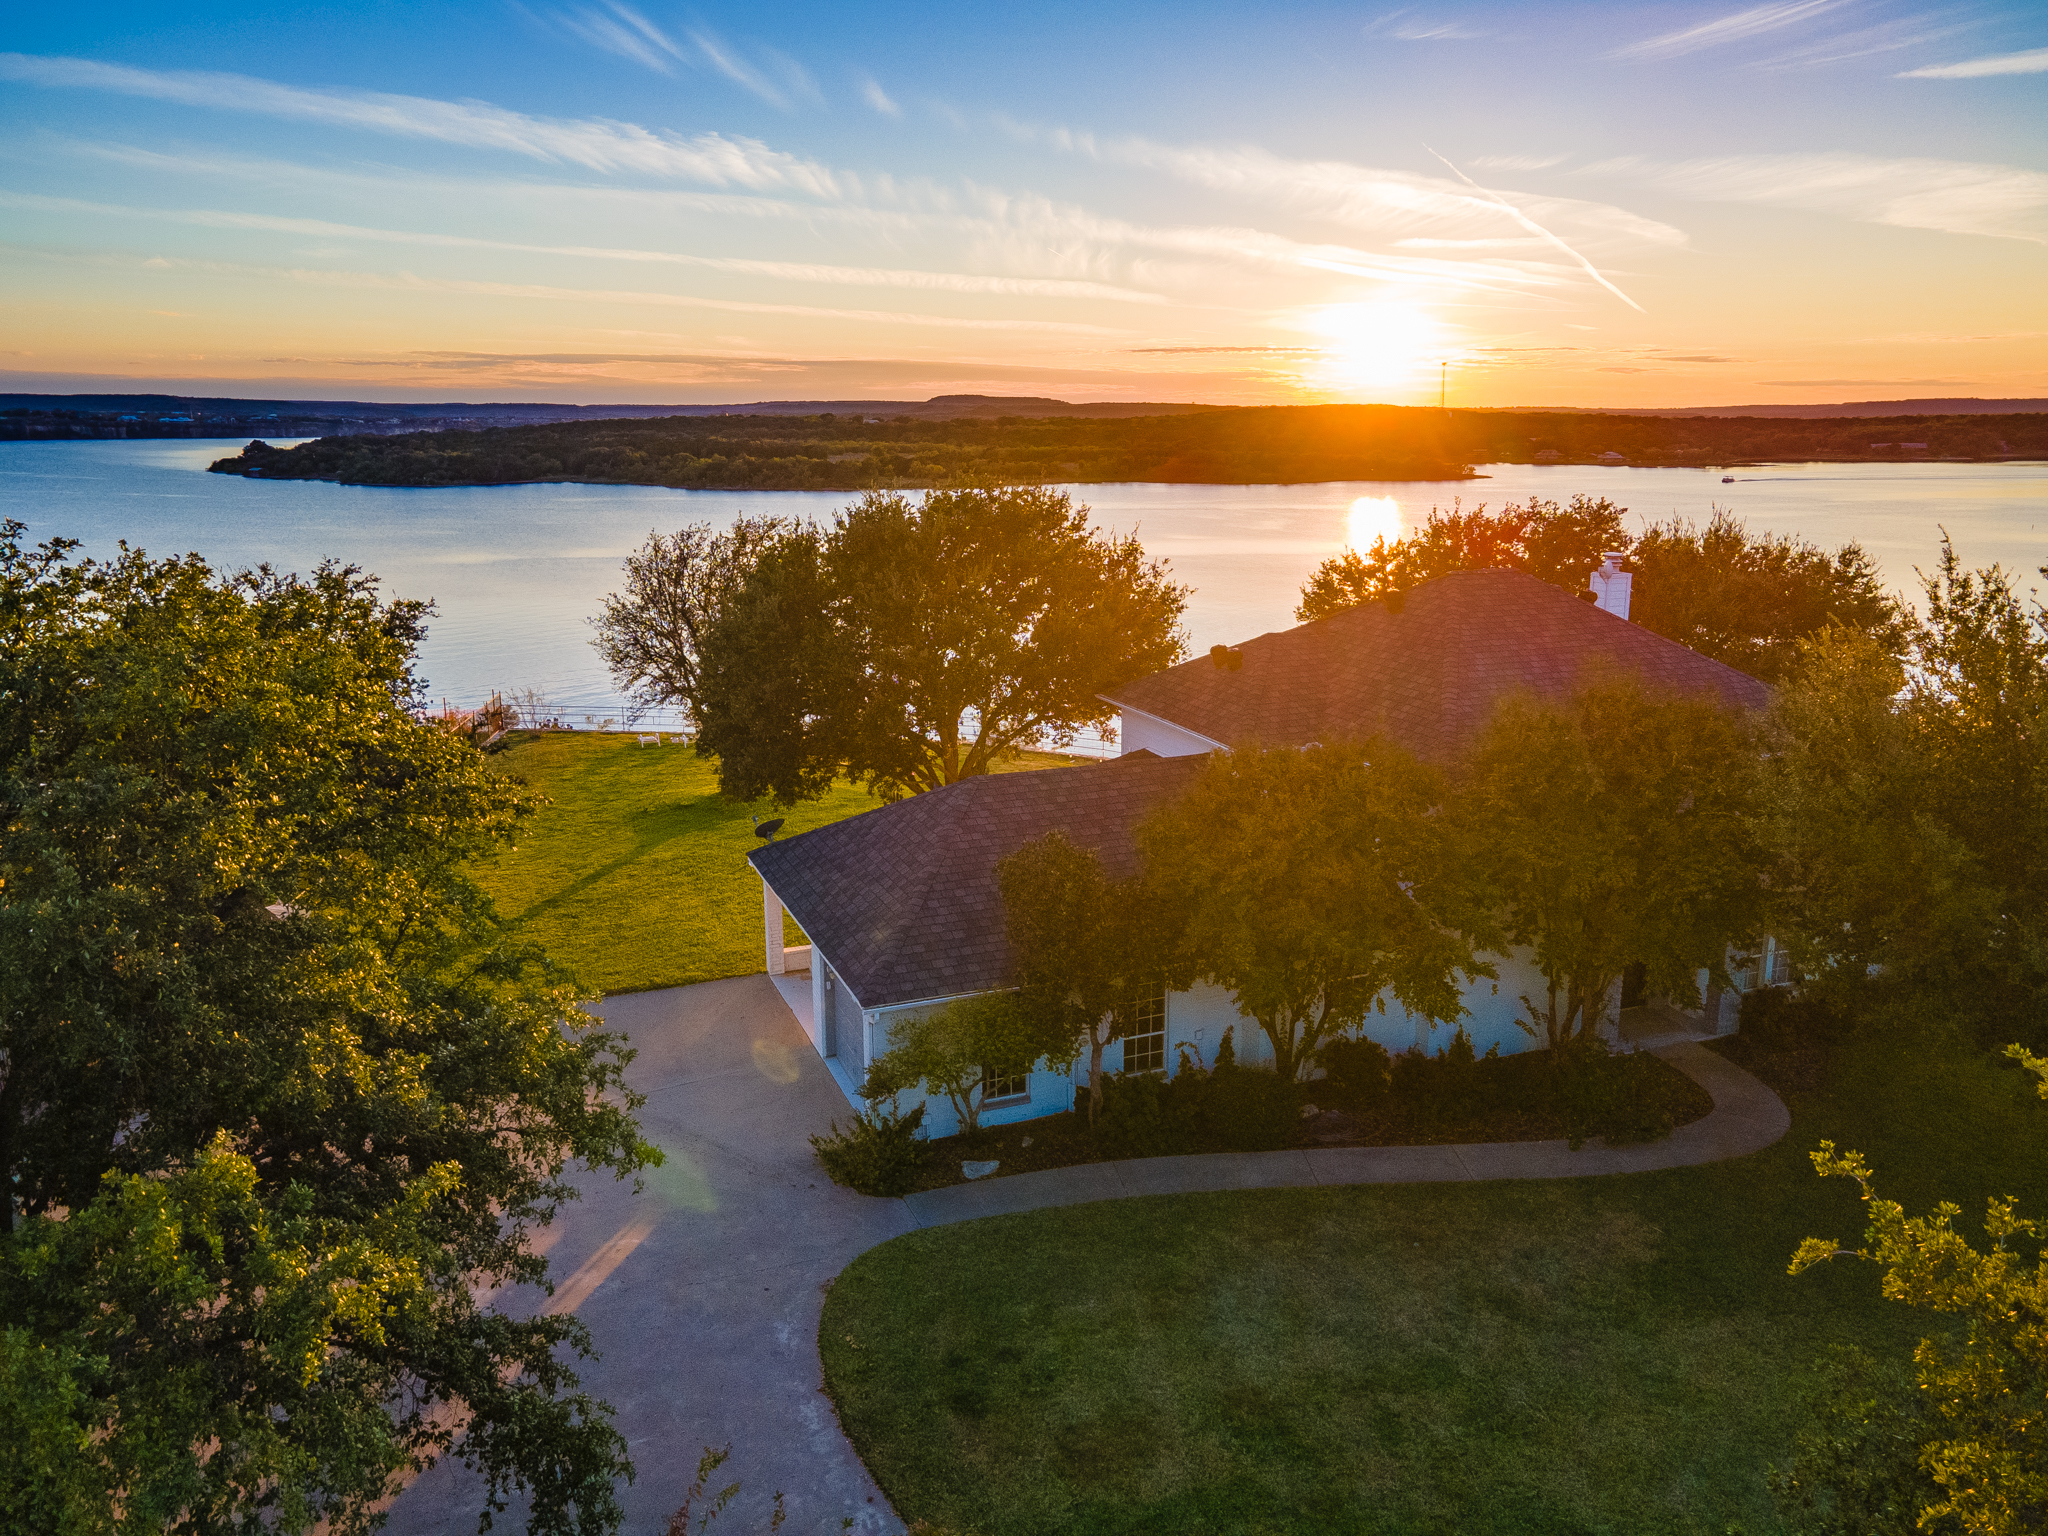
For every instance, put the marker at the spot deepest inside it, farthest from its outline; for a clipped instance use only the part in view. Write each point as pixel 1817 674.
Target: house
pixel 901 904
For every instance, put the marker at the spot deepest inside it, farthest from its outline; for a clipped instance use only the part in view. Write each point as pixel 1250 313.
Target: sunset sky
pixel 1665 205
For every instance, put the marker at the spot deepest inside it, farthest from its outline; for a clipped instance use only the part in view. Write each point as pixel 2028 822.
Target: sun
pixel 1371 518
pixel 1379 345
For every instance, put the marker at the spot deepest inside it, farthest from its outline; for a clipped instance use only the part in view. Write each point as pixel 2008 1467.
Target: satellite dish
pixel 766 830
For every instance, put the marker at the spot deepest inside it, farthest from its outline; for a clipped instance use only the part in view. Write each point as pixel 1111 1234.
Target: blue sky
pixel 1668 205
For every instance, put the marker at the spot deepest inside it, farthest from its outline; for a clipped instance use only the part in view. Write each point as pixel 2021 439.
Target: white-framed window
pixel 1144 1031
pixel 1770 966
pixel 999 1083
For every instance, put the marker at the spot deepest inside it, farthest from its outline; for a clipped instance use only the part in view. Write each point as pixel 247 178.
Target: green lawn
pixel 636 875
pixel 1618 1355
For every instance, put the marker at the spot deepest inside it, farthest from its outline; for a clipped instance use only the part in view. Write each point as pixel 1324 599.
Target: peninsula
pixel 858 449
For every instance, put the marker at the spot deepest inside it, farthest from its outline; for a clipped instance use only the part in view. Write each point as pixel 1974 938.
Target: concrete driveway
pixel 702 1293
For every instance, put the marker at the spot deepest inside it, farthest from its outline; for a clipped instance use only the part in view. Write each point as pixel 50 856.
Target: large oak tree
pixel 912 644
pixel 281 1095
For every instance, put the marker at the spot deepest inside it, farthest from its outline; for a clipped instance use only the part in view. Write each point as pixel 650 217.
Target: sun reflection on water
pixel 1371 518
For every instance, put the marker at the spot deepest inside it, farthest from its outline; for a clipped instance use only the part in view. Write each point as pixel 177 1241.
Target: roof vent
pixel 1610 585
pixel 1226 659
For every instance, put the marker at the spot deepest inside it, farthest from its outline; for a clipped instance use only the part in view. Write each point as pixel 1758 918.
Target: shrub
pixel 1614 1097
pixel 878 1154
pixel 1777 1018
pixel 1360 1070
pixel 1857 1470
pixel 1451 1085
pixel 1143 1115
pixel 1245 1109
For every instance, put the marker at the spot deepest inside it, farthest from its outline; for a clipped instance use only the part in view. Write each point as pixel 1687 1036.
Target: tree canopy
pixel 910 644
pixel 1744 598
pixel 1749 598
pixel 1558 544
pixel 1612 830
pixel 1084 945
pixel 957 1047
pixel 651 635
pixel 279 1090
pixel 1907 804
pixel 1311 882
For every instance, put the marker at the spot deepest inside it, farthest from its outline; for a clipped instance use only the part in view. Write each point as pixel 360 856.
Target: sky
pixel 1497 205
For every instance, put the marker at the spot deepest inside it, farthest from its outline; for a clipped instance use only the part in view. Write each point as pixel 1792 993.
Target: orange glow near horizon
pixel 1380 345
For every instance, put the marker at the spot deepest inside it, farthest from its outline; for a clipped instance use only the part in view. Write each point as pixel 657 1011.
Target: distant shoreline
pixel 1287 445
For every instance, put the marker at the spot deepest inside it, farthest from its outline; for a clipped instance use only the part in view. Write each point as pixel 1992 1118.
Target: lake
pixel 516 571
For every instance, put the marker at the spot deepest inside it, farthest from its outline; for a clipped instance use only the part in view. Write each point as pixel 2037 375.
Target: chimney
pixel 1610 585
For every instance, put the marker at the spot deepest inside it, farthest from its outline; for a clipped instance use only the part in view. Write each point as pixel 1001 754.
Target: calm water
pixel 516 571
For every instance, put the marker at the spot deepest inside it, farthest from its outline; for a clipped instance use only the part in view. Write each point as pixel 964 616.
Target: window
pixel 1005 1083
pixel 1144 1031
pixel 1777 964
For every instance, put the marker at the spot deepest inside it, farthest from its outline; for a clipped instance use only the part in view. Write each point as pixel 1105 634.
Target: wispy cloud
pixel 1516 162
pixel 872 93
pixel 410 282
pixel 1850 383
pixel 1734 28
pixel 1406 26
pixel 597 143
pixel 2032 62
pixel 622 30
pixel 1386 203
pixel 787 271
pixel 778 80
pixel 1890 36
pixel 1534 228
pixel 1957 197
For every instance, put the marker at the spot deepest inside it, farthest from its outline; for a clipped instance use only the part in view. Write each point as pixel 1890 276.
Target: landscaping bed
pixel 1434 1102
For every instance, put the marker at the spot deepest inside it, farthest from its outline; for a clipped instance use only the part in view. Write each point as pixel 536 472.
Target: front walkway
pixel 703 1293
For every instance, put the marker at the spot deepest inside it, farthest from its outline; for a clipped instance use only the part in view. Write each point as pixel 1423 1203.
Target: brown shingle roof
pixel 1429 675
pixel 903 900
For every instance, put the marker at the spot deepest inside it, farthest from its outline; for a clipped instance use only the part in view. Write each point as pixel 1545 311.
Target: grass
pixel 635 875
pixel 1620 1355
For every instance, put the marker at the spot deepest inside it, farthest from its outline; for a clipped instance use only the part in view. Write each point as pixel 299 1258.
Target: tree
pixel 279 1089
pixel 1749 599
pixel 1744 598
pixel 652 635
pixel 956 1047
pixel 1608 831
pixel 1865 880
pixel 1906 804
pixel 1978 709
pixel 1988 1446
pixel 1560 545
pixel 913 644
pixel 1314 883
pixel 1084 946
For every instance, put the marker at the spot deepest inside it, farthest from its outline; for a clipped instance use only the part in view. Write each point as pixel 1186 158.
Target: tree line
pixel 1261 445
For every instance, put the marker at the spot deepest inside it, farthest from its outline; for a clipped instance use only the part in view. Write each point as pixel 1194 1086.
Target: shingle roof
pixel 903 900
pixel 1428 675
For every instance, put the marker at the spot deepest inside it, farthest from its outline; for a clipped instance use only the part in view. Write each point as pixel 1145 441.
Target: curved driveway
pixel 703 1291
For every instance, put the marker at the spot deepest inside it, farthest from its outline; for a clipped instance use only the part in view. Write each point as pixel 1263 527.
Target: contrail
pixel 1534 228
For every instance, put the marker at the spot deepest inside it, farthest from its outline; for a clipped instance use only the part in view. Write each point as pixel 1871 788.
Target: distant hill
pixel 1253 445
pixel 1866 410
pixel 116 416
